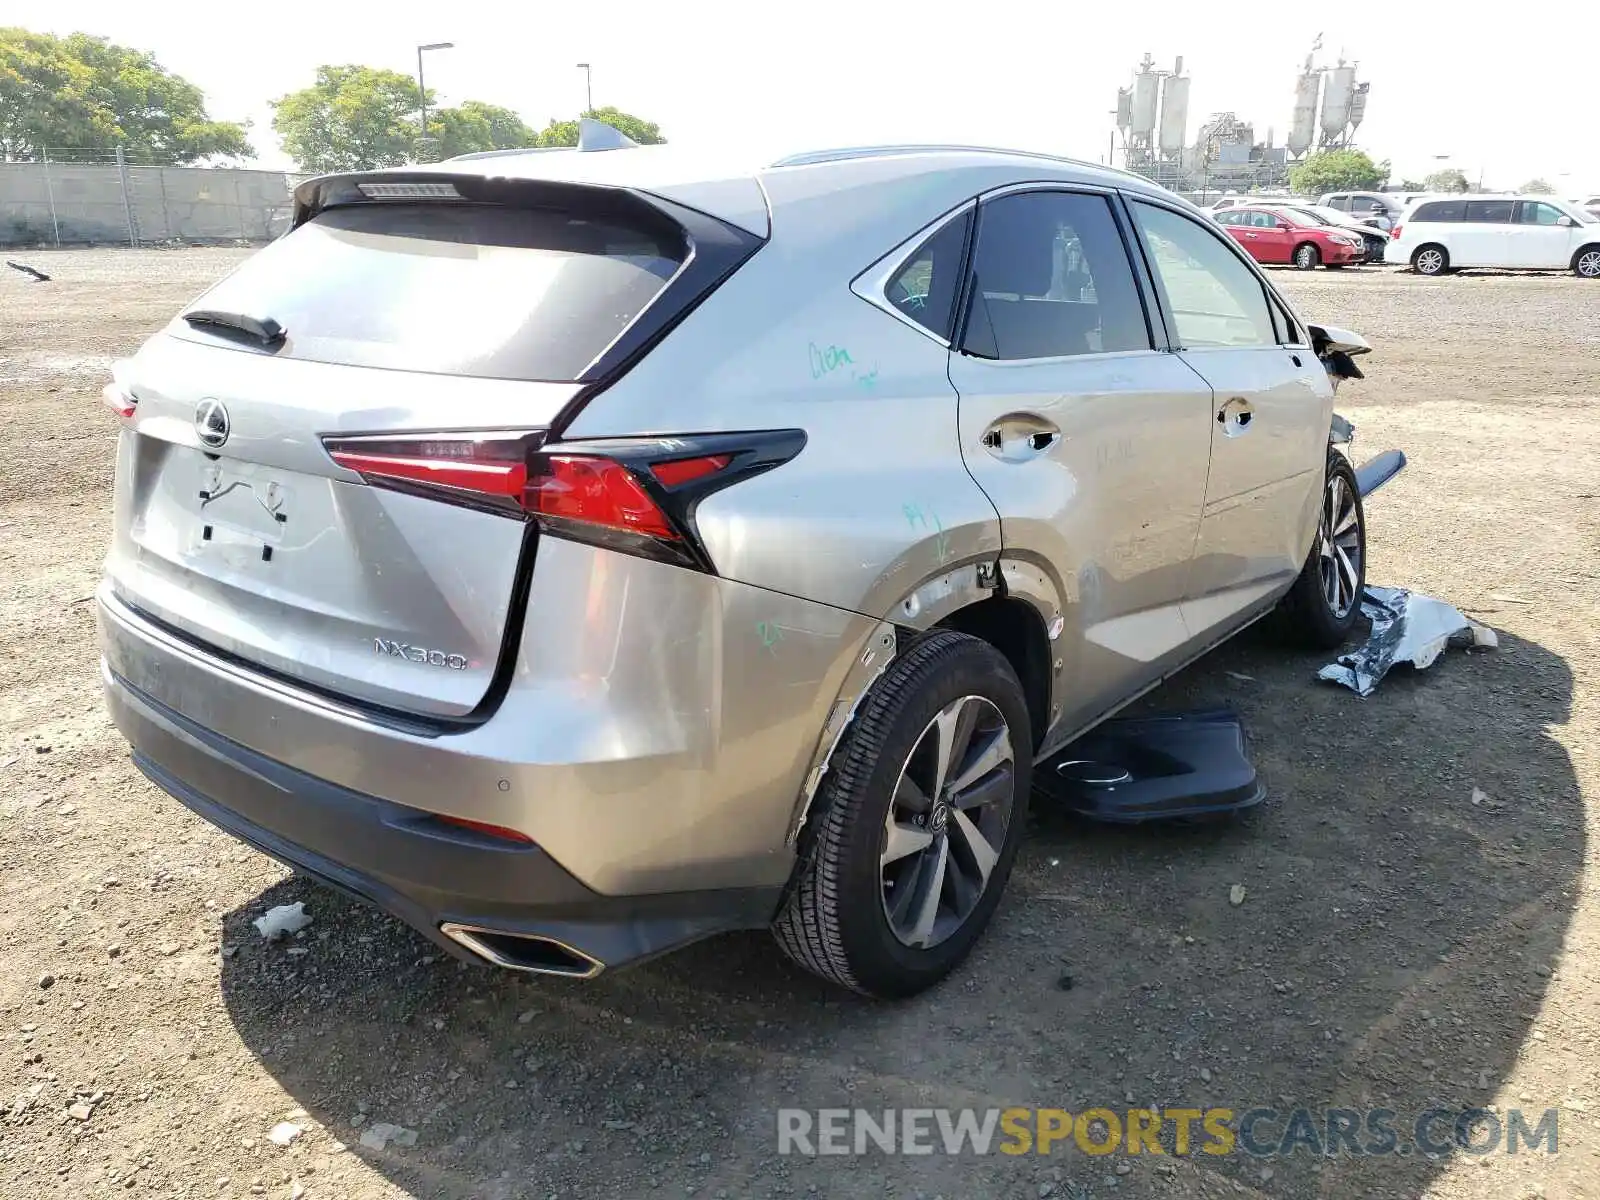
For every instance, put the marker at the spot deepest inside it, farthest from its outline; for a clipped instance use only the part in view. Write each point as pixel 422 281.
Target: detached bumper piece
pixel 1158 768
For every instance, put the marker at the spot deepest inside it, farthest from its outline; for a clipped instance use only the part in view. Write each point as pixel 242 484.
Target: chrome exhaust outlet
pixel 531 952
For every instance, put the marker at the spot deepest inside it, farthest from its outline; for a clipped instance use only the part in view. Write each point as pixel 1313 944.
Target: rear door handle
pixel 1018 437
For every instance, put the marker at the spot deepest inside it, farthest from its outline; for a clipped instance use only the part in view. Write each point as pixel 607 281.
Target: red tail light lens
pixel 458 465
pixel 118 401
pixel 1394 234
pixel 594 491
pixel 686 470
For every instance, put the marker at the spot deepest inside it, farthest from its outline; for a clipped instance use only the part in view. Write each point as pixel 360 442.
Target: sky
pixel 781 78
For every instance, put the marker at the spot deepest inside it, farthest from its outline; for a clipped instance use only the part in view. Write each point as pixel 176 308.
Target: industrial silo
pixel 1145 85
pixel 1124 109
pixel 1358 106
pixel 1336 97
pixel 1303 128
pixel 1174 112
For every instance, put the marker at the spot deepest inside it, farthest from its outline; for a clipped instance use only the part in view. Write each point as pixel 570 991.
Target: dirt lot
pixel 1401 944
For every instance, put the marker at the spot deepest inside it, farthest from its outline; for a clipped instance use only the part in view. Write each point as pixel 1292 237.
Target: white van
pixel 1519 232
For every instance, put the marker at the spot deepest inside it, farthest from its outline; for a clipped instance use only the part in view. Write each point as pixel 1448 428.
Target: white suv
pixel 1514 232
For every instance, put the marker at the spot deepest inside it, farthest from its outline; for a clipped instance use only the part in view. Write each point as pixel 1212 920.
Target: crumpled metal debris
pixel 1406 628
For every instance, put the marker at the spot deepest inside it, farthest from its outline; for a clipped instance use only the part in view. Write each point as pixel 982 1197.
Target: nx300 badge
pixel 419 654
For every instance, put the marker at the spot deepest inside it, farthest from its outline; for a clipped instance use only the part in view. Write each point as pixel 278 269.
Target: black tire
pixel 1586 263
pixel 1307 614
pixel 1336 266
pixel 834 921
pixel 1432 259
pixel 1307 257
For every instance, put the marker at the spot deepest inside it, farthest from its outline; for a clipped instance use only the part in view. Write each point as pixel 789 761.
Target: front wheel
pixel 1587 262
pixel 916 824
pixel 1323 605
pixel 1307 257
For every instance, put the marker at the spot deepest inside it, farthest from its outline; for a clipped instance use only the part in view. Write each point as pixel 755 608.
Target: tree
pixel 1449 180
pixel 1536 187
pixel 565 133
pixel 1337 171
pixel 87 92
pixel 475 126
pixel 1412 185
pixel 353 118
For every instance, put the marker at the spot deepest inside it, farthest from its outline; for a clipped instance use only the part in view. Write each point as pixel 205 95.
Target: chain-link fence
pixel 73 196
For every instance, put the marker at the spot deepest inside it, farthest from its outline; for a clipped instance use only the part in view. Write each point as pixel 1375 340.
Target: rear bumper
pixel 399 859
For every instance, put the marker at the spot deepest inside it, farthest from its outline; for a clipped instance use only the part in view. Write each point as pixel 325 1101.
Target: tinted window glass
pixel 454 289
pixel 1440 210
pixel 1215 299
pixel 1228 218
pixel 1534 212
pixel 1051 278
pixel 1490 212
pixel 925 289
pixel 1342 203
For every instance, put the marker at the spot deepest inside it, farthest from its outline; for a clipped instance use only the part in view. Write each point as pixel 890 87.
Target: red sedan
pixel 1272 236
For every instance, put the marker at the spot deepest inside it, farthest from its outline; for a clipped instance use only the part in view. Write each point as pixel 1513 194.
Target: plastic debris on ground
pixel 379 1135
pixel 1169 766
pixel 284 919
pixel 1406 628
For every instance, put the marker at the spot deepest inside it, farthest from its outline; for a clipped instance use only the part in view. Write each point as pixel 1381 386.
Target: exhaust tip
pixel 530 952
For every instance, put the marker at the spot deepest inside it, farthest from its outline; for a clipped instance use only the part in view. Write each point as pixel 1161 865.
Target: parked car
pixel 1382 205
pixel 1283 236
pixel 578 554
pixel 1519 232
pixel 1373 238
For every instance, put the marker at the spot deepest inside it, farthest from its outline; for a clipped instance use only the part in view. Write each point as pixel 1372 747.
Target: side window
pixel 1051 278
pixel 1535 212
pixel 1441 210
pixel 926 287
pixel 1490 212
pixel 1342 203
pixel 1263 220
pixel 1227 218
pixel 1215 299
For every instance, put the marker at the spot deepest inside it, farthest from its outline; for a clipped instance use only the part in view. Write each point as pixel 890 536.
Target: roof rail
pixel 810 157
pixel 592 136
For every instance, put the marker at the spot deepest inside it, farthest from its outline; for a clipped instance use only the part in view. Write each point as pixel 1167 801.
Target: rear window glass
pixel 1441 210
pixel 1490 212
pixel 453 289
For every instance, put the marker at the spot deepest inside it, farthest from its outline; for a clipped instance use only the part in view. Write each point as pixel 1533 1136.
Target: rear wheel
pixel 916 824
pixel 1323 605
pixel 1587 262
pixel 1430 260
pixel 1307 257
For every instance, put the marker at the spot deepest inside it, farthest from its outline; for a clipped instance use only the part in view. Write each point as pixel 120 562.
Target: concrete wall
pixel 81 204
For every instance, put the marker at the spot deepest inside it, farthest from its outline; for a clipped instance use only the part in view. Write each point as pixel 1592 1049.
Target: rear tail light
pixel 118 401
pixel 632 495
pixel 1394 234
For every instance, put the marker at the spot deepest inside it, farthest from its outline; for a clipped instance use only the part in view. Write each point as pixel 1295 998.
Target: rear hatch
pixel 420 312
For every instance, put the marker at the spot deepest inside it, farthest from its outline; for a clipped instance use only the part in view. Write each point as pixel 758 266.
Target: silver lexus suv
pixel 580 553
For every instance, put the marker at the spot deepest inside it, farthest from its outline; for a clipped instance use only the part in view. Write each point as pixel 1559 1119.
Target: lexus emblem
pixel 211 422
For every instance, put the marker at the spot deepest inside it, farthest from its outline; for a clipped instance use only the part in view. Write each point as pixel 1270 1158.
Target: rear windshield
pixel 453 289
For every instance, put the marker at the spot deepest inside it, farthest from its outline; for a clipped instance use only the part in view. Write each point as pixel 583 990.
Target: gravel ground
pixel 1405 939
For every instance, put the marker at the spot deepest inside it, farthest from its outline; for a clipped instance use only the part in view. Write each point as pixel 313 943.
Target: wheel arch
pixel 1015 628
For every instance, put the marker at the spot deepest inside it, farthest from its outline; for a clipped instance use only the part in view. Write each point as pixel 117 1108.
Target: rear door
pixel 1268 430
pixel 234 525
pixel 1484 237
pixel 1538 239
pixel 1090 441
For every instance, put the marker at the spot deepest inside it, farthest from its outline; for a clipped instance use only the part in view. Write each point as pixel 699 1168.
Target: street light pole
pixel 422 94
pixel 588 85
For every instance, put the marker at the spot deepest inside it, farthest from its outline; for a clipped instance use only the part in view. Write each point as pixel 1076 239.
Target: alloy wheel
pixel 1589 264
pixel 1340 546
pixel 947 821
pixel 1305 257
pixel 1430 262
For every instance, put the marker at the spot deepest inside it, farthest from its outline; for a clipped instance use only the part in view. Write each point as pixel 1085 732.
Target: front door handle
pixel 1018 437
pixel 1236 417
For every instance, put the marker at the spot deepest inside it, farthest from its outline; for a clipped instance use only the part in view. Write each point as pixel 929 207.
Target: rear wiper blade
pixel 263 329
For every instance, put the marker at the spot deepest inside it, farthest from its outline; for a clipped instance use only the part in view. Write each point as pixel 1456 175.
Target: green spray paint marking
pixel 915 517
pixel 769 633
pixel 825 362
